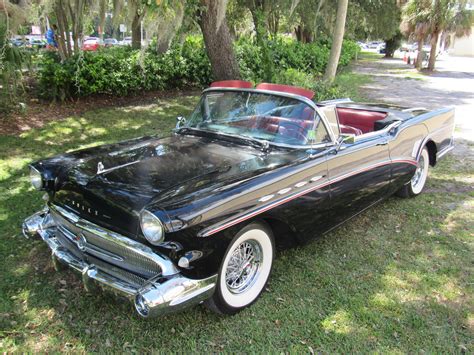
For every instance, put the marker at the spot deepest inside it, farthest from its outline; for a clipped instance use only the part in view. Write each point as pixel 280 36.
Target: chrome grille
pixel 119 273
pixel 88 242
pixel 68 244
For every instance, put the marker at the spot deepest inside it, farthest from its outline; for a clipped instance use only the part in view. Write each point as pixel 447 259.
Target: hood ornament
pixel 100 168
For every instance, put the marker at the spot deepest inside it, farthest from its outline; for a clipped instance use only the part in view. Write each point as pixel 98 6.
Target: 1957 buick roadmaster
pixel 197 216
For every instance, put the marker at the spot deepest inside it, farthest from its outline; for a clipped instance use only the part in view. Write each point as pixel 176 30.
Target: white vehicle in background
pixel 110 42
pixel 127 41
pixel 362 45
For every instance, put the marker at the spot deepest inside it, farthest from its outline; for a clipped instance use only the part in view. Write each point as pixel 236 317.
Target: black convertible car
pixel 197 216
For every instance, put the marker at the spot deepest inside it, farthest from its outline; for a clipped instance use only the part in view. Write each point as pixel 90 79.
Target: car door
pixel 306 206
pixel 359 176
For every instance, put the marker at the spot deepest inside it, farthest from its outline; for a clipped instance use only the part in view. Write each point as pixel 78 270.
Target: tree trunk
pixel 136 32
pixel 102 11
pixel 419 58
pixel 218 43
pixel 433 51
pixel 261 35
pixel 64 47
pixel 337 39
pixel 299 33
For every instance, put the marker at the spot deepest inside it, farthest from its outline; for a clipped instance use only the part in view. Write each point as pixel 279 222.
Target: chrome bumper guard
pixel 155 298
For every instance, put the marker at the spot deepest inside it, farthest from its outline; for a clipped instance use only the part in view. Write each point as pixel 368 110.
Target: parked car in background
pixel 18 42
pixel 110 42
pixel 92 44
pixel 127 41
pixel 362 45
pixel 408 47
pixel 374 45
pixel 197 216
pixel 36 43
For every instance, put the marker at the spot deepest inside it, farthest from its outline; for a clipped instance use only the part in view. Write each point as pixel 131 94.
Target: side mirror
pixel 180 120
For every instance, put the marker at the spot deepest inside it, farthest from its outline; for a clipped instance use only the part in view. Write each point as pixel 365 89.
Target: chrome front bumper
pixel 160 295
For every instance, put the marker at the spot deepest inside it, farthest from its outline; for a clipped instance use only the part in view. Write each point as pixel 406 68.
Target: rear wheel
pixel 418 181
pixel 245 269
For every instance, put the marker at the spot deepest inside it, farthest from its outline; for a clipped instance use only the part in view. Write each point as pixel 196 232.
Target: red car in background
pixel 92 44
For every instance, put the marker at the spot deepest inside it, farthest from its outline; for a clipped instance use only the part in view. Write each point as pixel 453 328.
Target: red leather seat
pixel 286 88
pixel 269 123
pixel 359 119
pixel 232 84
pixel 350 130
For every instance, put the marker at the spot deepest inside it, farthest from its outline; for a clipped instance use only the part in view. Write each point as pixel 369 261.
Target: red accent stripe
pixel 301 193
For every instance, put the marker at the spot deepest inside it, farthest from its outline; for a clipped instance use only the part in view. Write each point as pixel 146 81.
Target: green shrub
pixel 294 77
pixel 122 70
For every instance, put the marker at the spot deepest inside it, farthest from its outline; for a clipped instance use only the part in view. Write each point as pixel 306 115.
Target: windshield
pixel 276 119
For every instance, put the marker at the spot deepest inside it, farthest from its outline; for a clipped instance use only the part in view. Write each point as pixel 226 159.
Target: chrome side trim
pixel 336 101
pixel 167 267
pixel 445 151
pixel 412 109
pixel 247 215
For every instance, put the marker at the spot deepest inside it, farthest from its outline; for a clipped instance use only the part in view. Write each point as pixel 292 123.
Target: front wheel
pixel 245 269
pixel 418 181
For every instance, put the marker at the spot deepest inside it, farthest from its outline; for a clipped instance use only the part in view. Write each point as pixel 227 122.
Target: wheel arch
pixel 283 233
pixel 432 151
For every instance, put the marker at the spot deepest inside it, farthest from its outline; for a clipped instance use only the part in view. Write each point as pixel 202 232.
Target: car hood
pixel 110 185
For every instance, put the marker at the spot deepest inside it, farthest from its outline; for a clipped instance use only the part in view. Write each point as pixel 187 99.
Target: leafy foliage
pixel 122 70
pixel 12 61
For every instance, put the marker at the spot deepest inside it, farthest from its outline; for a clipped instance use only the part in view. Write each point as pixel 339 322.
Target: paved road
pixel 451 85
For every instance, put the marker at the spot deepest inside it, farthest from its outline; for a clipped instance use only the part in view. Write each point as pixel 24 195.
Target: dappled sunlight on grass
pixel 339 322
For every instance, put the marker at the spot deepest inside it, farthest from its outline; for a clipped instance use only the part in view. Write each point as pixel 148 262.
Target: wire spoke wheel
pixel 243 266
pixel 245 269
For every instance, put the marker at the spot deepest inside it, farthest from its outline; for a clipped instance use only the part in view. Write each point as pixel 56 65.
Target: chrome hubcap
pixel 417 178
pixel 244 266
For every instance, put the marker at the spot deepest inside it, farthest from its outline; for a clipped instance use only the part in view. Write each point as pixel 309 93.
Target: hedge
pixel 122 71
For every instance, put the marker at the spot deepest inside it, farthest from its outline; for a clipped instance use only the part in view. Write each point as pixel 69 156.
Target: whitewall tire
pixel 245 269
pixel 418 181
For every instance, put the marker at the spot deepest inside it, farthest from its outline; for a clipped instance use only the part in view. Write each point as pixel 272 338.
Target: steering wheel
pixel 299 130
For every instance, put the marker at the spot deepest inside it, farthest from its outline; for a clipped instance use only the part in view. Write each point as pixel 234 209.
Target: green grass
pixel 350 82
pixel 369 56
pixel 398 278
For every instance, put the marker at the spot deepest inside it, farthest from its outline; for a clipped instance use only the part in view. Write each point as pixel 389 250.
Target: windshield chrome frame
pixel 302 99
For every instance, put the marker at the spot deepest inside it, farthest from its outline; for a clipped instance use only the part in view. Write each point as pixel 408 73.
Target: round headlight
pixel 152 227
pixel 36 178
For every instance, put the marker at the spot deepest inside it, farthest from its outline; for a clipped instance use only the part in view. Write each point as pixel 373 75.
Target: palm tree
pixel 423 18
pixel 415 23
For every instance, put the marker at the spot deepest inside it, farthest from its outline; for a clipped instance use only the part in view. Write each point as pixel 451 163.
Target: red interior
pixel 289 127
pixel 232 84
pixel 350 130
pixel 286 88
pixel 358 119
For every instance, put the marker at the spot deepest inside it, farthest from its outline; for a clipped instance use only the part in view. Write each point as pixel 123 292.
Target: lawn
pixel 398 278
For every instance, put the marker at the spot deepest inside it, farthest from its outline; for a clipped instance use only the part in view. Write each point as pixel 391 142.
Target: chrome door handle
pixel 383 143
